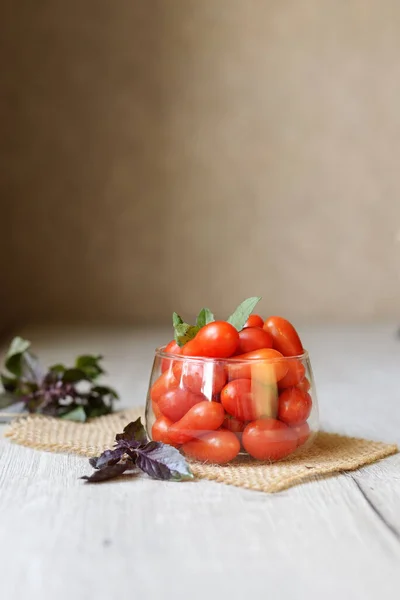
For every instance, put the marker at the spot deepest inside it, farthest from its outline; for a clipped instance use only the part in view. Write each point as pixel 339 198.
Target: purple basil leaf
pixel 161 461
pixel 108 458
pixel 107 473
pixel 133 433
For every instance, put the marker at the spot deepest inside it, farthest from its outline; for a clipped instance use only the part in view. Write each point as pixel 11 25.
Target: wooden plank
pixel 61 537
pixel 331 538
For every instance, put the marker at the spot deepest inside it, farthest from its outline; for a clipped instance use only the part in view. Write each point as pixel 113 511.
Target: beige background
pixel 160 155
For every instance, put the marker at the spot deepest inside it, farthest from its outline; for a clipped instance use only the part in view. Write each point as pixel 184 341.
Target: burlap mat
pixel 330 453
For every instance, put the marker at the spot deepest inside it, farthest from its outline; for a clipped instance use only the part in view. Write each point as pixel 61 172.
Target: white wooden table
pixel 338 537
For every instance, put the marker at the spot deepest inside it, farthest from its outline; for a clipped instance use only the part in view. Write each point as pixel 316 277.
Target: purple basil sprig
pixel 69 393
pixel 133 452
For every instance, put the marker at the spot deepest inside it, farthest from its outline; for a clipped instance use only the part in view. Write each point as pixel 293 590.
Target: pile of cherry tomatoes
pixel 228 391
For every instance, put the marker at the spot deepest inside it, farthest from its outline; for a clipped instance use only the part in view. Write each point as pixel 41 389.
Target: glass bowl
pixel 216 409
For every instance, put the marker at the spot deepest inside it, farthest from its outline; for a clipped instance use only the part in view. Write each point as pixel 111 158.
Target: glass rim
pixel 160 352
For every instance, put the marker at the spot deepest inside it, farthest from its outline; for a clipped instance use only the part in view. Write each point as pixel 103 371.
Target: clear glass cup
pixel 217 409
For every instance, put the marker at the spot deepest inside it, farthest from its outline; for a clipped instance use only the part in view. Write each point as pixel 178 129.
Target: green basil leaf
pixel 58 368
pixel 13 362
pixel 74 375
pixel 204 317
pixel 176 320
pixel 76 414
pixel 10 384
pixel 103 390
pixel 184 333
pixel 31 369
pixel 7 399
pixel 243 311
pixel 90 365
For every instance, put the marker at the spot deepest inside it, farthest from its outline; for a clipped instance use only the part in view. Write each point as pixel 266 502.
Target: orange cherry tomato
pixel 171 348
pixel 156 409
pixel 233 424
pixel 304 385
pixel 294 406
pixel 159 431
pixel 266 370
pixel 206 378
pixel 269 439
pixel 163 384
pixel 201 418
pixel 285 337
pixel 253 338
pixel 175 403
pixel 218 339
pixel 296 373
pixel 303 433
pixel 254 321
pixel 217 447
pixel 245 400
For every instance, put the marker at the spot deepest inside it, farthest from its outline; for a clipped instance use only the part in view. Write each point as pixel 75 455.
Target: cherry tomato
pixel 216 447
pixel 171 348
pixel 266 370
pixel 253 338
pixel 175 403
pixel 163 384
pixel 240 399
pixel 294 406
pixel 233 424
pixel 269 439
pixel 156 409
pixel 215 340
pixel 254 321
pixel 207 378
pixel 303 433
pixel 304 385
pixel 201 418
pixel 294 376
pixel 159 431
pixel 285 337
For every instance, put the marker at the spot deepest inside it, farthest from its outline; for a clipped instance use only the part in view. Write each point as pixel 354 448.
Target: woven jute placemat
pixel 330 453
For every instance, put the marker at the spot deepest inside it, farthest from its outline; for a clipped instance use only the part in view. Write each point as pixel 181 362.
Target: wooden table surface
pixel 338 537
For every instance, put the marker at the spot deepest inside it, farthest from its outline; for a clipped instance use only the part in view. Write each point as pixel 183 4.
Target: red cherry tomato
pixel 201 418
pixel 245 401
pixel 206 378
pixel 304 385
pixel 303 433
pixel 285 337
pixel 233 424
pixel 163 384
pixel 294 406
pixel 175 403
pixel 215 340
pixel 296 373
pixel 269 439
pixel 156 409
pixel 216 447
pixel 254 321
pixel 253 338
pixel 171 348
pixel 159 431
pixel 267 370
